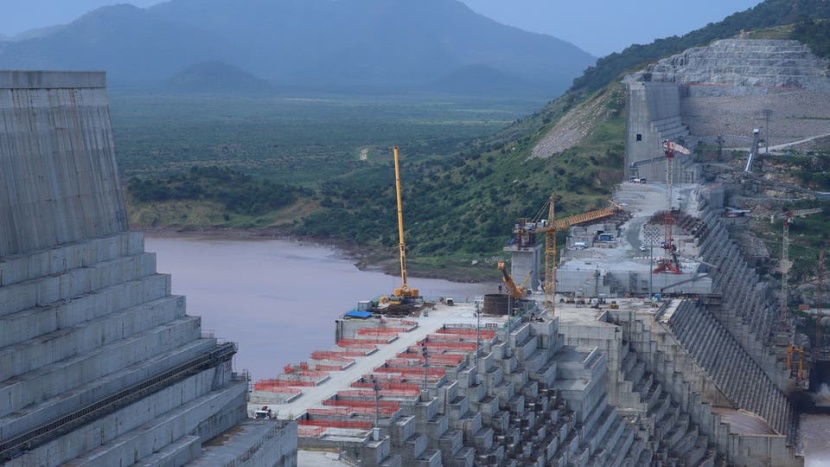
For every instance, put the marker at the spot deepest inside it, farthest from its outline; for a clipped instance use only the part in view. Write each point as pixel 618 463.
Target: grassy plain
pixel 295 140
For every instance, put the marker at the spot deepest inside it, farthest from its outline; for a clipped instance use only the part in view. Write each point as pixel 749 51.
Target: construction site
pixel 648 339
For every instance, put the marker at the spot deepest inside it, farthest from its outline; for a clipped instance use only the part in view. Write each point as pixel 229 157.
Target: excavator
pixel 517 292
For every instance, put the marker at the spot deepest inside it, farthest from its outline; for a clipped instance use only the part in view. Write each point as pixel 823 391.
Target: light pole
pixel 650 269
pixel 376 388
pixel 426 362
pixel 478 334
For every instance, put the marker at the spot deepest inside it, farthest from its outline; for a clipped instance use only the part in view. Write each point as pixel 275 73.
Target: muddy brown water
pixel 276 299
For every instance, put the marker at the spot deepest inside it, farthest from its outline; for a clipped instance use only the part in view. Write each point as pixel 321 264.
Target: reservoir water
pixel 276 299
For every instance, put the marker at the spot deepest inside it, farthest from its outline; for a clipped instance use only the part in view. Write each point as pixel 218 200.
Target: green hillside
pixel 459 207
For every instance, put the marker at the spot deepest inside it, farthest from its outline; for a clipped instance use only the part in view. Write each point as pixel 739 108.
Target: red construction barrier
pixel 281 390
pixel 330 367
pixel 326 354
pixel 310 431
pixel 360 343
pixel 361 425
pixel 269 384
pixel 432 373
pixel 342 411
pixel 361 402
pixel 380 331
pixel 439 346
pixel 469 333
pixel 384 385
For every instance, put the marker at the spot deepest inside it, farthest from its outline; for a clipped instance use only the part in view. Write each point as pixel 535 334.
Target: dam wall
pixel 101 364
pixel 57 161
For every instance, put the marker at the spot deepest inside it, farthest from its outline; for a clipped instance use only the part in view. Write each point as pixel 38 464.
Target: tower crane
pixel 820 272
pixel 670 148
pixel 402 294
pixel 669 262
pixel 525 229
pixel 785 263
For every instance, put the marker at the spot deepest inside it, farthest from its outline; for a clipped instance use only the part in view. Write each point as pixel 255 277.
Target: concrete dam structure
pixel 99 362
pixel 717 95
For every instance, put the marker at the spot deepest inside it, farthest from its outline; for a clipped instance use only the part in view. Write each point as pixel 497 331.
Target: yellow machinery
pixel 517 292
pixel 791 367
pixel 549 229
pixel 402 294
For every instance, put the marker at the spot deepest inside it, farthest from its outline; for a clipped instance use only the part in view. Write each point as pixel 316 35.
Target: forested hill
pixel 460 205
pixel 470 207
pixel 766 15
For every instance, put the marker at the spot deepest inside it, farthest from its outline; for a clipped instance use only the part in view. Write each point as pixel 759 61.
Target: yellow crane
pixel 402 294
pixel 549 229
pixel 519 293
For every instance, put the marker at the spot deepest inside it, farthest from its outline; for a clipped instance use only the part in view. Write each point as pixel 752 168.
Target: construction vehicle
pixel 402 295
pixel 264 413
pixel 519 293
pixel 526 231
pixel 796 370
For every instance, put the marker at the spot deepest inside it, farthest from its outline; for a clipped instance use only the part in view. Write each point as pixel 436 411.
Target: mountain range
pixel 332 45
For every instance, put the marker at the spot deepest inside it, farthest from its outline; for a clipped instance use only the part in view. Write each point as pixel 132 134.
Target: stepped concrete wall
pixel 101 365
pixel 725 89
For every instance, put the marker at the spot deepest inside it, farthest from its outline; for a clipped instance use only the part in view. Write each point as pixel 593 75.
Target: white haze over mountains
pixel 597 26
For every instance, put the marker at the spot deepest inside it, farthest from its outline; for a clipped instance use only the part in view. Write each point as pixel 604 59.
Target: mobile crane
pixel 402 294
pixel 518 292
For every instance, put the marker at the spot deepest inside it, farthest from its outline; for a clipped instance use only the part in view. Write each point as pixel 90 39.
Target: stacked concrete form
pixel 523 399
pixel 100 363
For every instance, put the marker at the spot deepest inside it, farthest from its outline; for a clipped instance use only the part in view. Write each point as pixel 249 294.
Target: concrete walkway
pixel 312 397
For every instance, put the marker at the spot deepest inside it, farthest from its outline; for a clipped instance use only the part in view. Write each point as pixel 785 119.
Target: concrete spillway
pixel 99 363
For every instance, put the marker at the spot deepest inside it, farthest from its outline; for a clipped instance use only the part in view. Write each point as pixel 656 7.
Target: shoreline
pixel 357 256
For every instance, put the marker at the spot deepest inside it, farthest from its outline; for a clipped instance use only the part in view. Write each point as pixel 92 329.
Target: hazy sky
pixel 596 26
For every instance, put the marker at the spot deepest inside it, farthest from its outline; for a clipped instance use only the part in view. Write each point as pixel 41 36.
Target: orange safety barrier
pixel 281 390
pixel 265 385
pixel 323 354
pixel 386 385
pixel 361 403
pixel 324 367
pixel 310 431
pixel 371 410
pixel 336 358
pixel 383 379
pixel 470 333
pixel 337 424
pixel 367 394
pixel 380 330
pixel 446 358
pixel 342 411
pixel 414 361
pixel 449 338
pixel 360 343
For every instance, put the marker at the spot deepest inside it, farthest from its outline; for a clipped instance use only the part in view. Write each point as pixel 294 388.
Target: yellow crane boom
pixel 550 241
pixel 404 291
pixel 517 292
